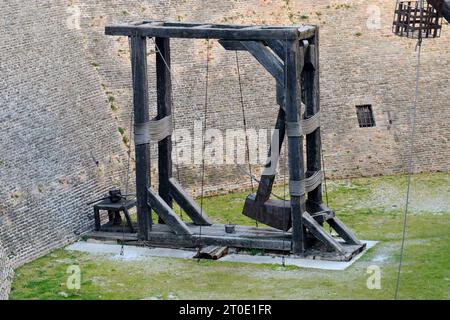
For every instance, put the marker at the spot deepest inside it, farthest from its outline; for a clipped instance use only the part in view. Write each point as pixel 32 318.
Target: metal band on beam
pixel 153 130
pixel 304 127
pixel 309 125
pixel 300 187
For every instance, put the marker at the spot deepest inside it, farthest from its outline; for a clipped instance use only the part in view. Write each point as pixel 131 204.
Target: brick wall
pixel 59 145
pixel 6 274
pixel 359 65
pixel 65 91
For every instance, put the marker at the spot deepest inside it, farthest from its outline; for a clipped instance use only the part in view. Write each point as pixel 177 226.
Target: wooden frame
pixel 291 55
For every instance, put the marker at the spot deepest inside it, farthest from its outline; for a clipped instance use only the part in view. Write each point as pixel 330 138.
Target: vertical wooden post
pixel 313 140
pixel 141 115
pixel 295 145
pixel 164 99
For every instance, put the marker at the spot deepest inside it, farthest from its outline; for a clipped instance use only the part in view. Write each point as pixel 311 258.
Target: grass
pixel 372 207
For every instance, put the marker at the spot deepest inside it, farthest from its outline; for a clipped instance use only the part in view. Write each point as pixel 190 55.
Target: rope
pixel 177 166
pixel 122 248
pixel 283 258
pixel 244 118
pixel 205 110
pixel 257 180
pixel 245 124
pixel 324 176
pixel 413 112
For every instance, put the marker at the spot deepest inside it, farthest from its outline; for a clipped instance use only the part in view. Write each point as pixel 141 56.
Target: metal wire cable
pixel 413 112
pixel 283 259
pixel 122 248
pixel 245 124
pixel 244 117
pixel 177 166
pixel 205 110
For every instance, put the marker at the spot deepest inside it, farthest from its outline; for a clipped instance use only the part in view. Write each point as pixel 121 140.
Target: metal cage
pixel 416 19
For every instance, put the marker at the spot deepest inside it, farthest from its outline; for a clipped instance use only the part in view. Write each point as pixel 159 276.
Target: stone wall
pixel 59 145
pixel 362 62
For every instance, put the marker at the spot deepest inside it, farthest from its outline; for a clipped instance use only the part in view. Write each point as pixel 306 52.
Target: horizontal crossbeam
pixel 210 31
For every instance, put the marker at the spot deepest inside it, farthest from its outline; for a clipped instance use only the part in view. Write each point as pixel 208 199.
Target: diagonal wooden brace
pixel 266 58
pixel 188 204
pixel 166 213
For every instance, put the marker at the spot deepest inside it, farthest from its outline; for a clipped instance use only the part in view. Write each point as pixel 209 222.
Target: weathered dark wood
pixel 231 45
pixel 113 209
pixel 274 213
pixel 442 7
pixel 164 108
pixel 244 237
pixel 291 60
pixel 97 220
pixel 312 97
pixel 266 58
pixel 295 145
pixel 342 230
pixel 267 179
pixel 255 207
pixel 166 213
pixel 214 32
pixel 278 47
pixel 317 230
pixel 188 204
pixel 212 252
pixel 141 115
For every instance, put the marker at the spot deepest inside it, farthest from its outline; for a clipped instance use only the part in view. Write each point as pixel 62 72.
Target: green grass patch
pixel 425 271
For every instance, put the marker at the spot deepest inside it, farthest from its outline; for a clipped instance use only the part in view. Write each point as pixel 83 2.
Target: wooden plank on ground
pixel 320 233
pixel 141 116
pixel 212 252
pixel 343 231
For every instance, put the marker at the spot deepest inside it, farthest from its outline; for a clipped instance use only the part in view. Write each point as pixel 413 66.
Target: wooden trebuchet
pixel 290 54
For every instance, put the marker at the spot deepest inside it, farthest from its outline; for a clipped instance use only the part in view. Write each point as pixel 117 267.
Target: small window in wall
pixel 365 116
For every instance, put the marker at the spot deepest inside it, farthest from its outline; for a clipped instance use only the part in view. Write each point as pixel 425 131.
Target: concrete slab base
pixel 298 261
pixel 131 253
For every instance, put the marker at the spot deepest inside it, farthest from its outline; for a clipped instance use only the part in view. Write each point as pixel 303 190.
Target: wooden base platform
pixel 244 237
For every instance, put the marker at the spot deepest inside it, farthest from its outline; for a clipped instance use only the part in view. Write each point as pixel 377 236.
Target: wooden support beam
pixel 274 213
pixel 166 213
pixel 268 176
pixel 277 46
pixel 312 102
pixel 141 115
pixel 295 145
pixel 188 204
pixel 192 31
pixel 342 230
pixel 212 252
pixel 231 45
pixel 266 58
pixel 164 109
pixel 318 231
